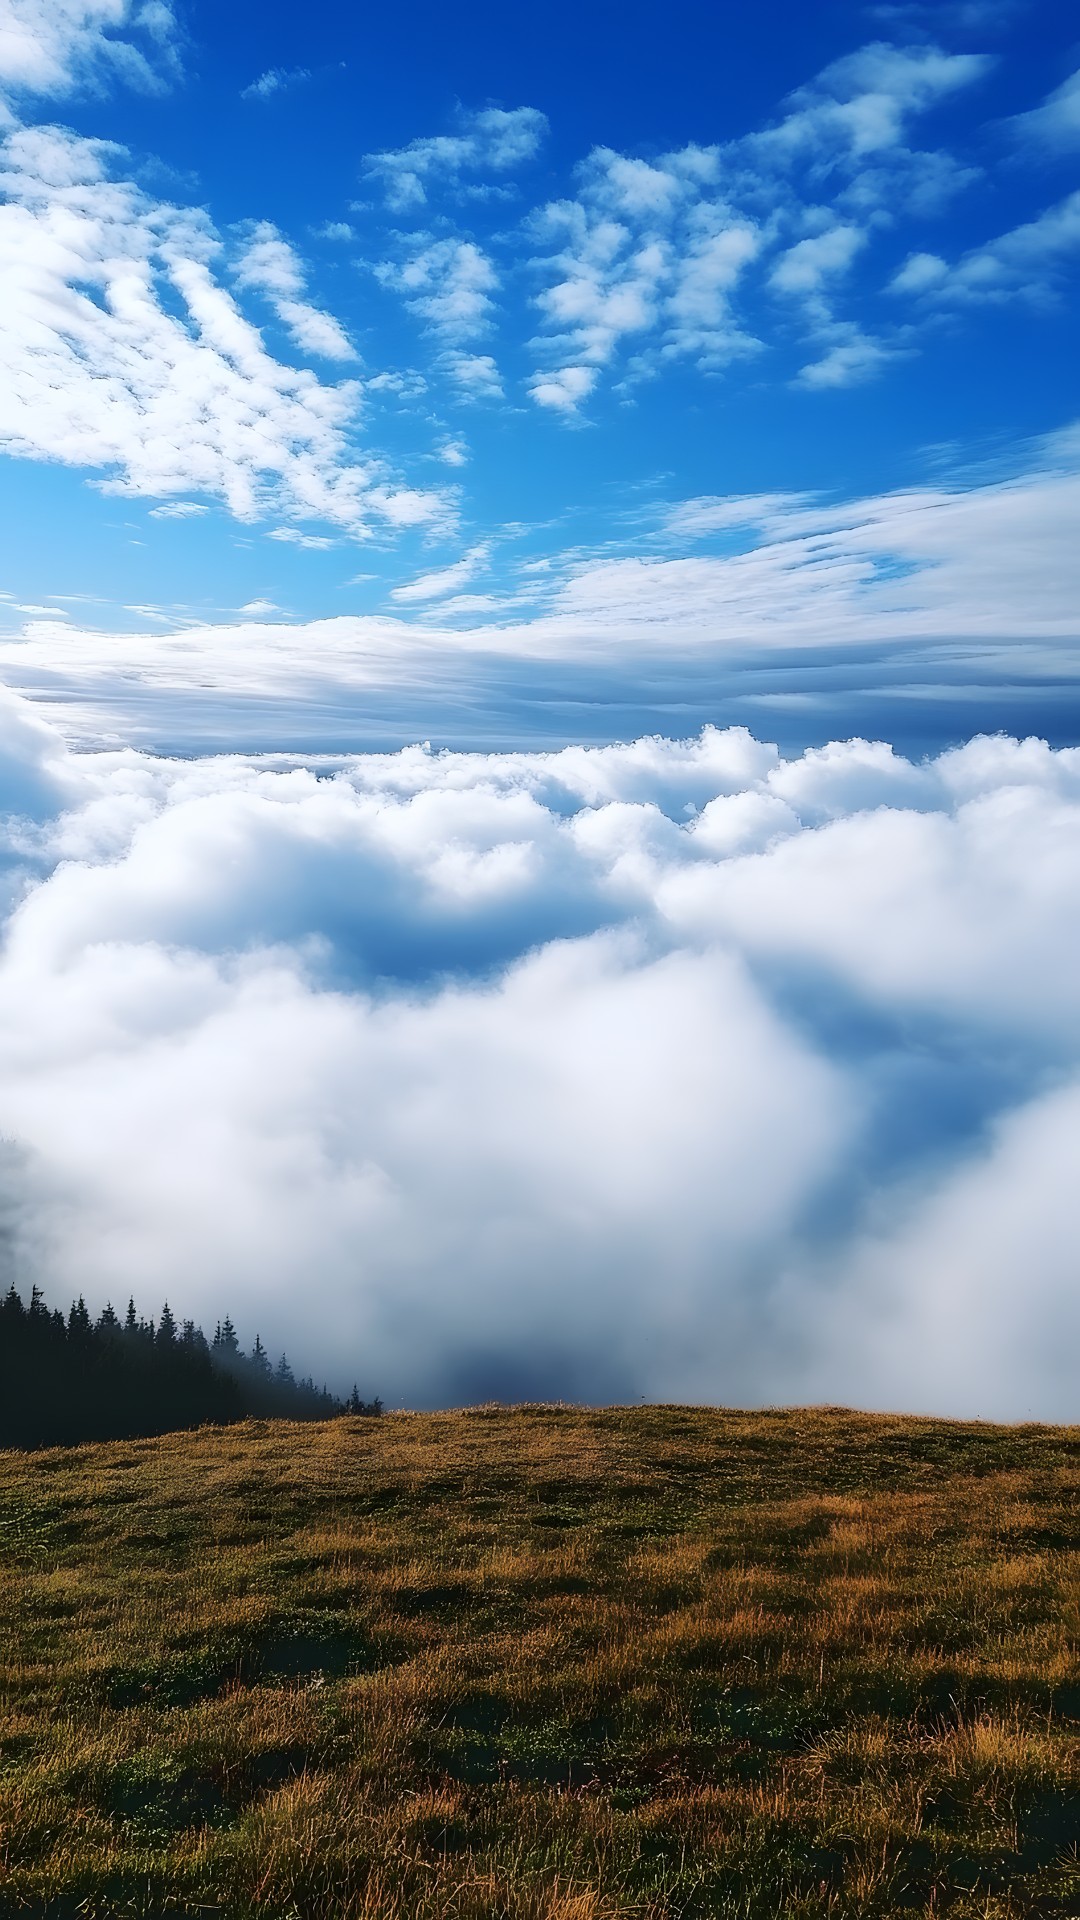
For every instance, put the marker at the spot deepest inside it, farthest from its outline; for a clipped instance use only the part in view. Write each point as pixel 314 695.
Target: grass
pixel 547 1664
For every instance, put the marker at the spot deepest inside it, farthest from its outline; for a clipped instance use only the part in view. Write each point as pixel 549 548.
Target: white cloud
pixel 816 260
pixel 475 375
pixel 409 385
pixel 847 364
pixel 447 283
pixel 255 608
pixel 926 605
pixel 861 104
pixel 51 47
pixel 665 255
pixel 275 80
pixel 920 273
pixel 294 537
pixel 564 390
pixel 491 141
pixel 445 580
pixel 1025 263
pixel 269 263
pixel 178 510
pixel 1056 124
pixel 121 352
pixel 677 1069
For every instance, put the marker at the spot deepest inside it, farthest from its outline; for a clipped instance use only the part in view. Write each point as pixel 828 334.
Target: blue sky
pixel 432 320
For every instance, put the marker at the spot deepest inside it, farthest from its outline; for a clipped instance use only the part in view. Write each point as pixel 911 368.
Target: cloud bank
pixel 676 1068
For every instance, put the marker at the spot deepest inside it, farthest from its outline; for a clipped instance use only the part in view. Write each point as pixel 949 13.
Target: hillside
pixel 544 1663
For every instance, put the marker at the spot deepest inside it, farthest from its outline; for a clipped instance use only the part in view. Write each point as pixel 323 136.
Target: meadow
pixel 544 1664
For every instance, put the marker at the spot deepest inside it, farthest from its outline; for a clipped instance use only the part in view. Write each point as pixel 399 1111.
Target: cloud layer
pixel 676 1069
pixel 924 615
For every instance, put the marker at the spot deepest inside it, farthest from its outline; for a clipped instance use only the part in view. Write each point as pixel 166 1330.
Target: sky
pixel 540 676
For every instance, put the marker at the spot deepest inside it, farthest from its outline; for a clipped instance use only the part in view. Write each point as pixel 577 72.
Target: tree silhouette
pixel 63 1381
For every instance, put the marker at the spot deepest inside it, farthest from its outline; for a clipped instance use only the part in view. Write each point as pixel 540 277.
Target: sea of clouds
pixel 675 1069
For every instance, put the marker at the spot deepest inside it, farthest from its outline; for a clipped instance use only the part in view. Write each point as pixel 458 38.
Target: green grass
pixel 544 1663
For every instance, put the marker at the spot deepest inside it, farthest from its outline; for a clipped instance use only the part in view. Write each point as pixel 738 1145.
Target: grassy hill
pixel 544 1663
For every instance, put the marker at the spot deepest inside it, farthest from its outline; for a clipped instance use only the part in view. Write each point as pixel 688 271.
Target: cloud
pixel 447 283
pixel 51 47
pixel 255 608
pixel 1025 263
pixel 816 260
pixel 564 390
pixel 925 614
pixel 446 580
pixel 676 1068
pixel 275 80
pixel 860 105
pixel 269 263
pixel 1055 125
pixel 179 510
pixel 293 537
pixel 672 255
pixel 121 352
pixel 493 140
pixel 848 363
pixel 475 375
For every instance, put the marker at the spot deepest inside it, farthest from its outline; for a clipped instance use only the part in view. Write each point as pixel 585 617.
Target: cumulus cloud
pixel 493 140
pixel 447 283
pixel 475 375
pixel 676 1068
pixel 121 351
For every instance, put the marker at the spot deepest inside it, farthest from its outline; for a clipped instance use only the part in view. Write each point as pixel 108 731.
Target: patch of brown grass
pixel 544 1664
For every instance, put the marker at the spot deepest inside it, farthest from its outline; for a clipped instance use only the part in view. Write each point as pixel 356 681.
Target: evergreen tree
pixel 63 1381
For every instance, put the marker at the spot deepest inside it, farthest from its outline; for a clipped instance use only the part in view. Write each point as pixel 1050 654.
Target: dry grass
pixel 546 1664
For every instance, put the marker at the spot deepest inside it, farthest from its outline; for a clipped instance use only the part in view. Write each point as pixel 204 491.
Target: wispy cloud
pixel 1055 125
pixel 444 580
pixel 493 140
pixel 1023 264
pixel 114 332
pixel 275 80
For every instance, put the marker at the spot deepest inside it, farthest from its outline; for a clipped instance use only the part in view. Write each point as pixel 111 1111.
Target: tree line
pixel 64 1380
